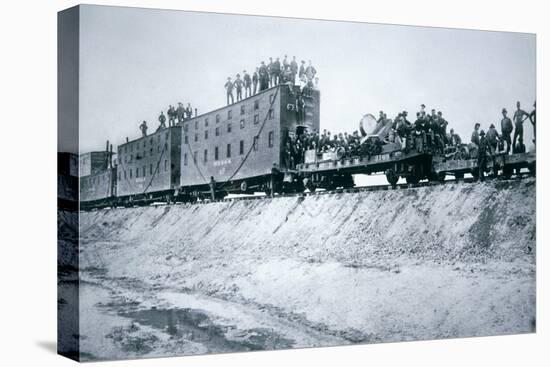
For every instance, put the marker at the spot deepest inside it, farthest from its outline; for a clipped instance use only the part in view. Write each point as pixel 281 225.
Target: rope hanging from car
pixel 252 145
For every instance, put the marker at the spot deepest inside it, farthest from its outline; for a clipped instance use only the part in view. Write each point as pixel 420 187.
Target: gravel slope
pixel 444 261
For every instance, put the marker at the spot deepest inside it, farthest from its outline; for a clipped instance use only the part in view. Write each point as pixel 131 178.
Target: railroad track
pixel 369 188
pixel 385 187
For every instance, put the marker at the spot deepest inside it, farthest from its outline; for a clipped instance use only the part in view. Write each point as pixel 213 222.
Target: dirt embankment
pixel 456 222
pixel 443 261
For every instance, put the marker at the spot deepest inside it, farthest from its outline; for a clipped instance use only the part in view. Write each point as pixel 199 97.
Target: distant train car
pixel 98 189
pixel 240 146
pixel 148 168
pixel 97 184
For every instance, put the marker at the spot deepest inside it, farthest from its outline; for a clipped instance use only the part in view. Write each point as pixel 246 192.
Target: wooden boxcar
pixel 240 146
pixel 98 189
pixel 148 168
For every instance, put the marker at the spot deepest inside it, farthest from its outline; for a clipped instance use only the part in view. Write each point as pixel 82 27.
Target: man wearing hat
pixel 506 128
pixel 229 90
pixel 482 155
pixel 180 112
pixel 518 120
pixel 492 138
pixel 533 118
pixel 162 120
pixel 264 77
pixel 475 134
pixel 171 115
pixel 143 128
pixel 247 84
pixel 239 86
pixel 442 126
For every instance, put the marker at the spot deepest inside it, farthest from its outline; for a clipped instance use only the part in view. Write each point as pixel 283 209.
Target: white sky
pixel 135 62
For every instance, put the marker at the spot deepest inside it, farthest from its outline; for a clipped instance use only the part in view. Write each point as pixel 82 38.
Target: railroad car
pixel 148 168
pixel 239 146
pixel 97 182
pixel 501 163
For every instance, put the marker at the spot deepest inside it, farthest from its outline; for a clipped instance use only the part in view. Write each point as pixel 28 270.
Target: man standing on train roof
pixel 302 71
pixel 270 71
pixel 482 155
pixel 229 90
pixel 180 112
pixel 475 134
pixel 247 84
pixel 533 118
pixel 162 120
pixel 276 72
pixel 422 109
pixel 286 77
pixel 518 121
pixel 294 69
pixel 189 111
pixel 264 77
pixel 310 74
pixel 506 128
pixel 143 128
pixel 285 62
pixel 239 86
pixel 255 79
pixel 171 115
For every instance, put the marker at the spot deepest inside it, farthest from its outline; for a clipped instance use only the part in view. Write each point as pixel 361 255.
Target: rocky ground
pixel 435 262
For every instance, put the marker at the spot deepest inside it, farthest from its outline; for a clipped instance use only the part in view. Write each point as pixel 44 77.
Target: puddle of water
pixel 194 325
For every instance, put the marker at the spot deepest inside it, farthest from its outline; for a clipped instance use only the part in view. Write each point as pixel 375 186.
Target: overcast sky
pixel 134 62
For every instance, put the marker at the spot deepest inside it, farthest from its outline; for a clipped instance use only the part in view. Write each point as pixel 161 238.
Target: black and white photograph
pixel 242 183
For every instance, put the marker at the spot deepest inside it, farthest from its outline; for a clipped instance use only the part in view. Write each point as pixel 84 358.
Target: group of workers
pixel 175 115
pixel 490 143
pixel 504 139
pixel 271 74
pixel 427 131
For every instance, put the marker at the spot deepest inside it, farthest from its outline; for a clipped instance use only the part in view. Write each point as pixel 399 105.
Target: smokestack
pixel 196 112
pixel 111 156
pixel 127 141
pixel 107 155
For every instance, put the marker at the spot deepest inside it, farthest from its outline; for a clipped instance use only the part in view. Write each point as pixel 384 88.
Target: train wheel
pixel 413 177
pixel 412 180
pixel 392 177
pixel 475 174
pixel 459 176
pixel 244 186
pixel 310 185
pixel 507 172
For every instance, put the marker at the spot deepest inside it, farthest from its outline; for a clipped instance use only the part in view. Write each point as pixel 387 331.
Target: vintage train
pixel 239 148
